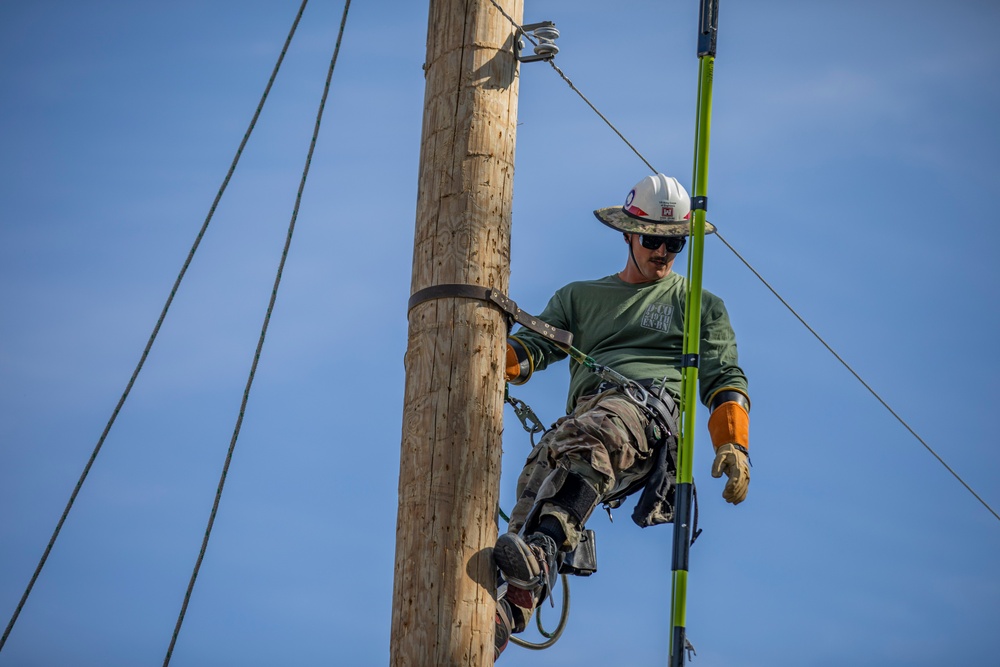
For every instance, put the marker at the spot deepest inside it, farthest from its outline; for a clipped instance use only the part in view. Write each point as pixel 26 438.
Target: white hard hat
pixel 657 205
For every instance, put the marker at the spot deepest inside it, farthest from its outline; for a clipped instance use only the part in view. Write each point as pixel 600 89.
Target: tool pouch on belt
pixel 656 504
pixel 581 561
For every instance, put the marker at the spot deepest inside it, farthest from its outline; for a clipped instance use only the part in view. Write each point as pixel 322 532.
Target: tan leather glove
pixel 733 460
pixel 729 427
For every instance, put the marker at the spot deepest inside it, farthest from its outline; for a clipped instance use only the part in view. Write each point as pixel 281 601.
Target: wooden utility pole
pixel 443 593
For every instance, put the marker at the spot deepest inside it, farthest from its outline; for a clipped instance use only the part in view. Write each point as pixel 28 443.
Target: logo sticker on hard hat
pixel 667 212
pixel 634 210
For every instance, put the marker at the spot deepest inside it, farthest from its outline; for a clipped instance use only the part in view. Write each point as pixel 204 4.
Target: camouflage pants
pixel 603 441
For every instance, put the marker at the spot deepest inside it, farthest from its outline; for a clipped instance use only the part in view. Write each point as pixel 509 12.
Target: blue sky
pixel 854 164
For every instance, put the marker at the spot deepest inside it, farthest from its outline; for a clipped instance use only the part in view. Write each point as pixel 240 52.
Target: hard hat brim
pixel 616 218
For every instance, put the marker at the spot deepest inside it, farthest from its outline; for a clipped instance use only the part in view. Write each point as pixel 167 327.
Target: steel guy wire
pixel 156 328
pixel 576 90
pixel 855 374
pixel 602 116
pixel 263 334
pixel 769 287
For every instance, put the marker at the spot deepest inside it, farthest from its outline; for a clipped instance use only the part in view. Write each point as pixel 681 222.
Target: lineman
pixel 606 446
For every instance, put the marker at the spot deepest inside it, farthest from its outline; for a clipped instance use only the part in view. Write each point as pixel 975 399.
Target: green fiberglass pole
pixel 708 29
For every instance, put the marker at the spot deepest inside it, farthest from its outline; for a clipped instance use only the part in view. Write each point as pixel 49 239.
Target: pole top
pixel 708 27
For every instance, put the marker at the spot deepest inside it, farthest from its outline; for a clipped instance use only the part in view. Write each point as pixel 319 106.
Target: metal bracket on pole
pixel 544 36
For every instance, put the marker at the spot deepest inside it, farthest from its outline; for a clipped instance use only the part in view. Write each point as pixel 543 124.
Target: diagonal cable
pixel 520 31
pixel 761 278
pixel 152 337
pixel 260 341
pixel 602 116
pixel 855 374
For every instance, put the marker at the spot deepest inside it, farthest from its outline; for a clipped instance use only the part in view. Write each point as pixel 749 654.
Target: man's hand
pixel 733 460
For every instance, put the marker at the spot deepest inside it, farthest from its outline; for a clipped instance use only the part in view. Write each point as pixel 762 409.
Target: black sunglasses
pixel 674 243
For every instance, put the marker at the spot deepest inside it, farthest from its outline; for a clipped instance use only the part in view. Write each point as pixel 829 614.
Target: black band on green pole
pixel 682 527
pixel 680 640
pixel 708 27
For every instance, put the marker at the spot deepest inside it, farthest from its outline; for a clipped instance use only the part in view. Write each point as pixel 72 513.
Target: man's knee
pixel 569 497
pixel 570 491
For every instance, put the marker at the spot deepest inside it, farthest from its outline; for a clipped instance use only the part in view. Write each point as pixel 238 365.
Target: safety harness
pixel 656 503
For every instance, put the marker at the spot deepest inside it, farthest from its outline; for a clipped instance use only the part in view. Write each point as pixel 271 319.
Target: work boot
pixel 504 628
pixel 529 566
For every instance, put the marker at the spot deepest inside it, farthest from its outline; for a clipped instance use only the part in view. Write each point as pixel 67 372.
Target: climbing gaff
pixel 707 32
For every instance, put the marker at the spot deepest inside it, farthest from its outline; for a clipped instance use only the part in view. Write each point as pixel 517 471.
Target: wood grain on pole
pixel 443 593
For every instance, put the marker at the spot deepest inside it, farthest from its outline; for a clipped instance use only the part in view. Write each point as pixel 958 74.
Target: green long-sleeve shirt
pixel 638 330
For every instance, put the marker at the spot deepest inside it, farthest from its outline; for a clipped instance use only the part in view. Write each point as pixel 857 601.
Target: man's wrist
pixel 730 424
pixel 525 366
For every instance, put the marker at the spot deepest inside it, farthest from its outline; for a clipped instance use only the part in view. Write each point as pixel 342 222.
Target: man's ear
pixel 627 239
